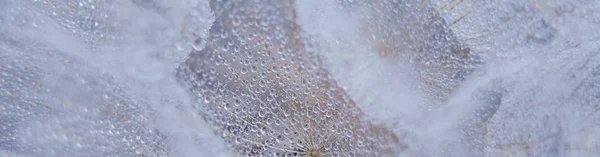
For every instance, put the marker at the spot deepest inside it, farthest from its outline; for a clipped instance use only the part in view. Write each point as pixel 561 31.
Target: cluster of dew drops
pixel 255 80
pixel 258 85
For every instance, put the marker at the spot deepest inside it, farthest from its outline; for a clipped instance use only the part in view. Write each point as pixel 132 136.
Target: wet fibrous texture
pixel 259 86
pixel 425 78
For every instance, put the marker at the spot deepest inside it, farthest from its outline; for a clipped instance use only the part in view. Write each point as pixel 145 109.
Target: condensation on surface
pixel 269 96
pixel 299 78
pixel 467 78
pixel 95 78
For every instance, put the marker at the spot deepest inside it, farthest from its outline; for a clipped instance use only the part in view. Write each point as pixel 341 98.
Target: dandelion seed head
pixel 269 95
